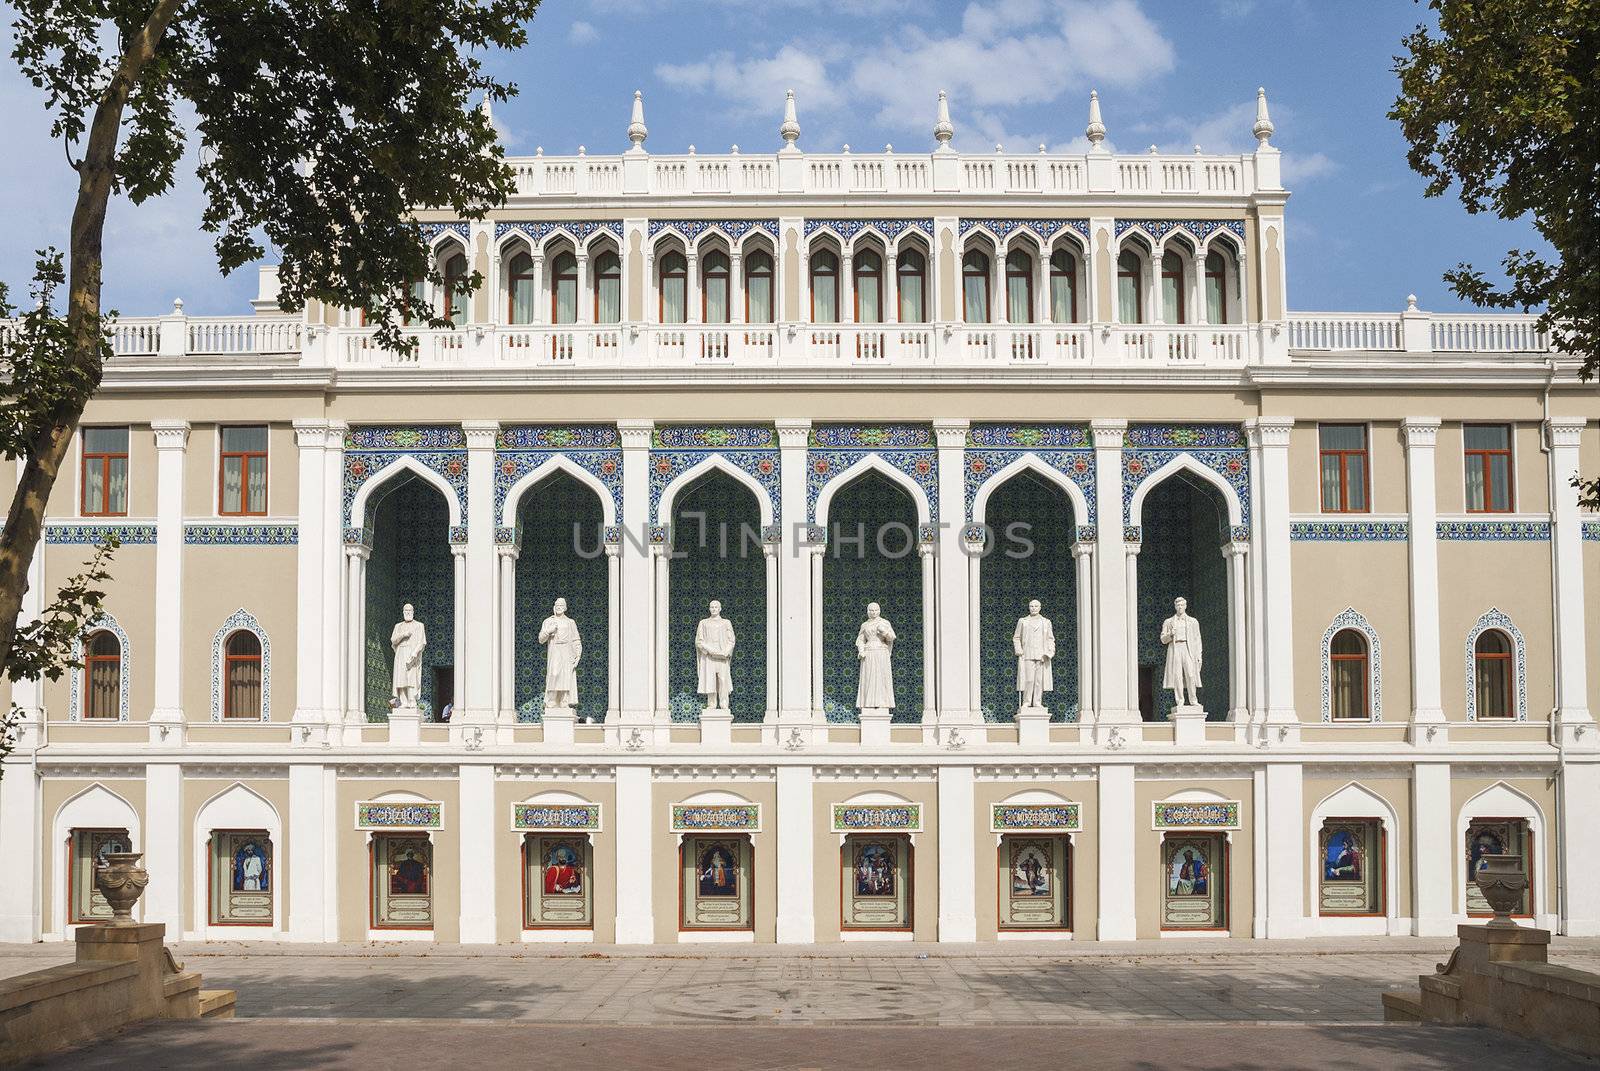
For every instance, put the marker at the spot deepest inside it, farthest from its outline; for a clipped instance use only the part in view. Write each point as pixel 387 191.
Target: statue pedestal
pixel 716 727
pixel 1033 726
pixel 559 725
pixel 405 725
pixel 1188 726
pixel 875 725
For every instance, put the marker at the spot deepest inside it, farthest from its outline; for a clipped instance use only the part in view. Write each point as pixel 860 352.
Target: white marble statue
pixel 713 657
pixel 559 634
pixel 1181 635
pixel 874 644
pixel 408 639
pixel 1035 644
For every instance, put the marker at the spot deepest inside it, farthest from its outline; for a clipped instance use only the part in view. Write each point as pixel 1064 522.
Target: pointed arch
pixel 237 807
pixel 1497 620
pixel 241 620
pixel 76 683
pixel 1351 618
pixel 1186 462
pixel 94 807
pixel 1355 800
pixel 872 463
pixel 1029 462
pixel 1502 800
pixel 549 467
pixel 713 463
pixel 404 463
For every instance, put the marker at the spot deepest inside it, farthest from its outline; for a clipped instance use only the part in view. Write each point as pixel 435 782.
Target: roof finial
pixel 487 110
pixel 943 131
pixel 1263 130
pixel 1096 130
pixel 637 131
pixel 790 130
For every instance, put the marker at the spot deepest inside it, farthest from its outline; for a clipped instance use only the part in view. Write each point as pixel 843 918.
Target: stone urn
pixel 1501 880
pixel 121 880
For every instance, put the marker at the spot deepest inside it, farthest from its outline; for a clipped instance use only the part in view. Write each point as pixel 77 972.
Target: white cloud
pixel 757 86
pixel 1303 167
pixel 583 33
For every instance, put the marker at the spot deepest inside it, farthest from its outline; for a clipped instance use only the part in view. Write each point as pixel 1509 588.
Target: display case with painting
pixel 876 882
pixel 402 882
pixel 87 849
pixel 558 890
pixel 1350 867
pixel 716 878
pixel 1497 836
pixel 242 878
pixel 1194 889
pixel 1033 886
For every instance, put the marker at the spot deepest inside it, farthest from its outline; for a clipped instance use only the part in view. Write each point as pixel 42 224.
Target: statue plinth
pixel 559 725
pixel 716 726
pixel 1188 725
pixel 875 725
pixel 1033 726
pixel 405 725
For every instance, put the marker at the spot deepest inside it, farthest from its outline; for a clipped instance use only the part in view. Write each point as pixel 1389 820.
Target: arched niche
pixel 411 562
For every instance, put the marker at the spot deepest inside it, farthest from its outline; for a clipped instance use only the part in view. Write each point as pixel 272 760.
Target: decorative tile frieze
pixel 369 450
pixel 1063 448
pixel 1353 619
pixel 240 619
pixel 1349 531
pixel 1047 230
pixel 909 448
pixel 1034 818
pixel 521 449
pixel 1146 448
pixel 876 818
pixel 1197 229
pixel 382 815
pixel 241 535
pixel 887 229
pixel 691 230
pixel 59 533
pixel 1498 531
pixel 1169 814
pixel 538 231
pixel 716 818
pixel 750 448
pixel 556 817
pixel 430 231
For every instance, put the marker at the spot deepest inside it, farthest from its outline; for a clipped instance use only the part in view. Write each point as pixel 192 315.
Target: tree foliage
pixel 1502 99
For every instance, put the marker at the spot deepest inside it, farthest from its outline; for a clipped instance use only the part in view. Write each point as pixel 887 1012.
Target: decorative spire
pixel 637 131
pixel 790 130
pixel 943 131
pixel 488 117
pixel 1096 130
pixel 1263 130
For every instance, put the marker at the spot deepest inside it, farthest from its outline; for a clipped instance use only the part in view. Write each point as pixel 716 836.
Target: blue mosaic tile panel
pixel 877 818
pixel 887 229
pixel 519 450
pixel 411 562
pixel 430 231
pixel 380 815
pixel 1062 447
pixel 65 534
pixel 1496 531
pixel 1197 229
pixel 556 817
pixel 1046 229
pixel 1591 531
pixel 561 561
pixel 241 535
pixel 1223 814
pixel 906 447
pixel 578 230
pixel 1349 531
pixel 1184 527
pixel 371 449
pixel 716 817
pixel 1218 447
pixel 690 230
pixel 751 448
pixel 1034 818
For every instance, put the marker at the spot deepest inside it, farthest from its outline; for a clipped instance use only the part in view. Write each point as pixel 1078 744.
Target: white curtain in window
pixel 911 307
pixel 567 301
pixel 758 292
pixel 975 298
pixel 1128 310
pixel 523 294
pixel 117 496
pixel 1017 303
pixel 673 299
pixel 716 299
pixel 824 299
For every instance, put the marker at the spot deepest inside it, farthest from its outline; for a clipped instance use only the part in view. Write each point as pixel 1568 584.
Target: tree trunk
pixel 96 173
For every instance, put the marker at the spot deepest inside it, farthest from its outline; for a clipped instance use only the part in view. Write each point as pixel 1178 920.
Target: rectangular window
pixel 1350 865
pixel 1488 449
pixel 1034 878
pixel 1343 453
pixel 877 882
pixel 87 849
pixel 558 891
pixel 715 883
pixel 244 472
pixel 758 295
pixel 1498 836
pixel 1194 888
pixel 241 878
pixel 402 882
pixel 105 472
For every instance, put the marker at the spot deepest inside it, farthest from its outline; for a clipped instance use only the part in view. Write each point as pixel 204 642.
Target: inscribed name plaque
pixel 716 818
pixel 555 817
pixel 1221 814
pixel 1034 818
pixel 378 814
pixel 877 818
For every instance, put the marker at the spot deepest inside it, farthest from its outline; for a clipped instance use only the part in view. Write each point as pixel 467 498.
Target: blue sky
pixel 1173 73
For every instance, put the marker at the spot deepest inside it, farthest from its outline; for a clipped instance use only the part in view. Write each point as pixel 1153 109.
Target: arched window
pixel 519 287
pixel 1172 308
pixel 912 275
pixel 714 280
pixel 758 288
pixel 824 287
pixel 975 287
pixel 455 288
pixel 1063 288
pixel 102 672
pixel 1493 675
pixel 417 292
pixel 869 288
pixel 608 288
pixel 1347 676
pixel 564 289
pixel 1130 288
pixel 1019 287
pixel 674 288
pixel 1216 288
pixel 241 676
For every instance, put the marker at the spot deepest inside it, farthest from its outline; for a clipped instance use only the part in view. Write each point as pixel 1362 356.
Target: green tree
pixel 1503 98
pixel 322 125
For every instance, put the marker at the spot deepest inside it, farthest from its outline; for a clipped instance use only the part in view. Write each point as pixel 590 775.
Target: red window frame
pixel 1365 689
pixel 823 262
pixel 557 276
pixel 758 265
pixel 229 660
pixel 1136 273
pixel 970 269
pixel 1508 683
pixel 513 278
pixel 868 267
pixel 1067 270
pixel 715 265
pixel 1344 470
pixel 607 266
pixel 912 262
pixel 455 270
pixel 90 660
pixel 247 461
pixel 1026 275
pixel 1183 315
pixel 104 459
pixel 1221 276
pixel 1484 456
pixel 674 265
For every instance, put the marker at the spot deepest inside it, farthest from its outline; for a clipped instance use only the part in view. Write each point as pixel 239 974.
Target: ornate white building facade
pixel 798 383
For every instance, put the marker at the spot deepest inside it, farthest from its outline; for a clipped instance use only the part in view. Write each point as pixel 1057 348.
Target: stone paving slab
pixel 329 1045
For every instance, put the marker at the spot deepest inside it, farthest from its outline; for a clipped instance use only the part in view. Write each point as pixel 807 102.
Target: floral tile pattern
pixel 1034 818
pixel 876 818
pixel 556 817
pixel 834 448
pixel 1177 815
pixel 1349 531
pixel 1063 447
pixel 716 818
pixel 520 449
pixel 372 814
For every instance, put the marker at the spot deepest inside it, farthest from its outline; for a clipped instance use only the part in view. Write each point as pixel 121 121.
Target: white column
pixel 931 631
pixel 847 288
pixel 1579 786
pixel 769 554
pixel 1115 613
pixel 1284 828
pixel 955 611
pixel 958 911
pixel 1427 703
pixel 1041 288
pixel 691 315
pixel 172 436
pixel 818 693
pixel 1572 683
pixel 1116 844
pixel 1257 596
pixel 541 296
pixel 309 819
pixel 661 702
pixel 458 561
pixel 1272 436
pixel 794 576
pixel 329 543
pixel 613 630
pixel 635 633
pixel 1435 855
pixel 635 829
pixel 355 616
pixel 735 287
pixel 1130 635
pixel 479 831
pixel 475 604
pixel 1083 562
pixel 163 857
pixel 890 313
pixel 20 837
pixel 1238 631
pixel 310 609
pixel 585 294
pixel 796 882
pixel 974 556
pixel 506 700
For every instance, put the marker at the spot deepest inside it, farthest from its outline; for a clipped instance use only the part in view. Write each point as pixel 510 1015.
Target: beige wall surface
pixel 353 857
pixel 1390 404
pixel 1396 792
pixel 1540 791
pixel 666 861
pixel 130 599
pixel 1147 870
pixel 217 581
pixel 829 863
pixel 196 794
pixel 509 906
pixel 1083 897
pixel 1591 601
pixel 1513 577
pixel 1371 578
pixel 54 794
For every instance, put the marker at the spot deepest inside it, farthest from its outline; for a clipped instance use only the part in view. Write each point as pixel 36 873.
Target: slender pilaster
pixel 796 884
pixel 818 694
pixel 1271 436
pixel 769 562
pixel 1114 613
pixel 1116 862
pixel 479 833
pixel 309 820
pixel 613 630
pixel 310 617
pixel 506 693
pixel 329 541
pixel 958 905
pixel 1083 563
pixel 931 631
pixel 1130 634
pixel 1579 788
pixel 637 686
pixel 661 569
pixel 163 856
pixel 794 576
pixel 355 618
pixel 1572 681
pixel 634 837
pixel 1435 855
pixel 1427 704
pixel 458 657
pixel 955 664
pixel 1237 555
pixel 475 701
pixel 20 840
pixel 172 437
pixel 1284 827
